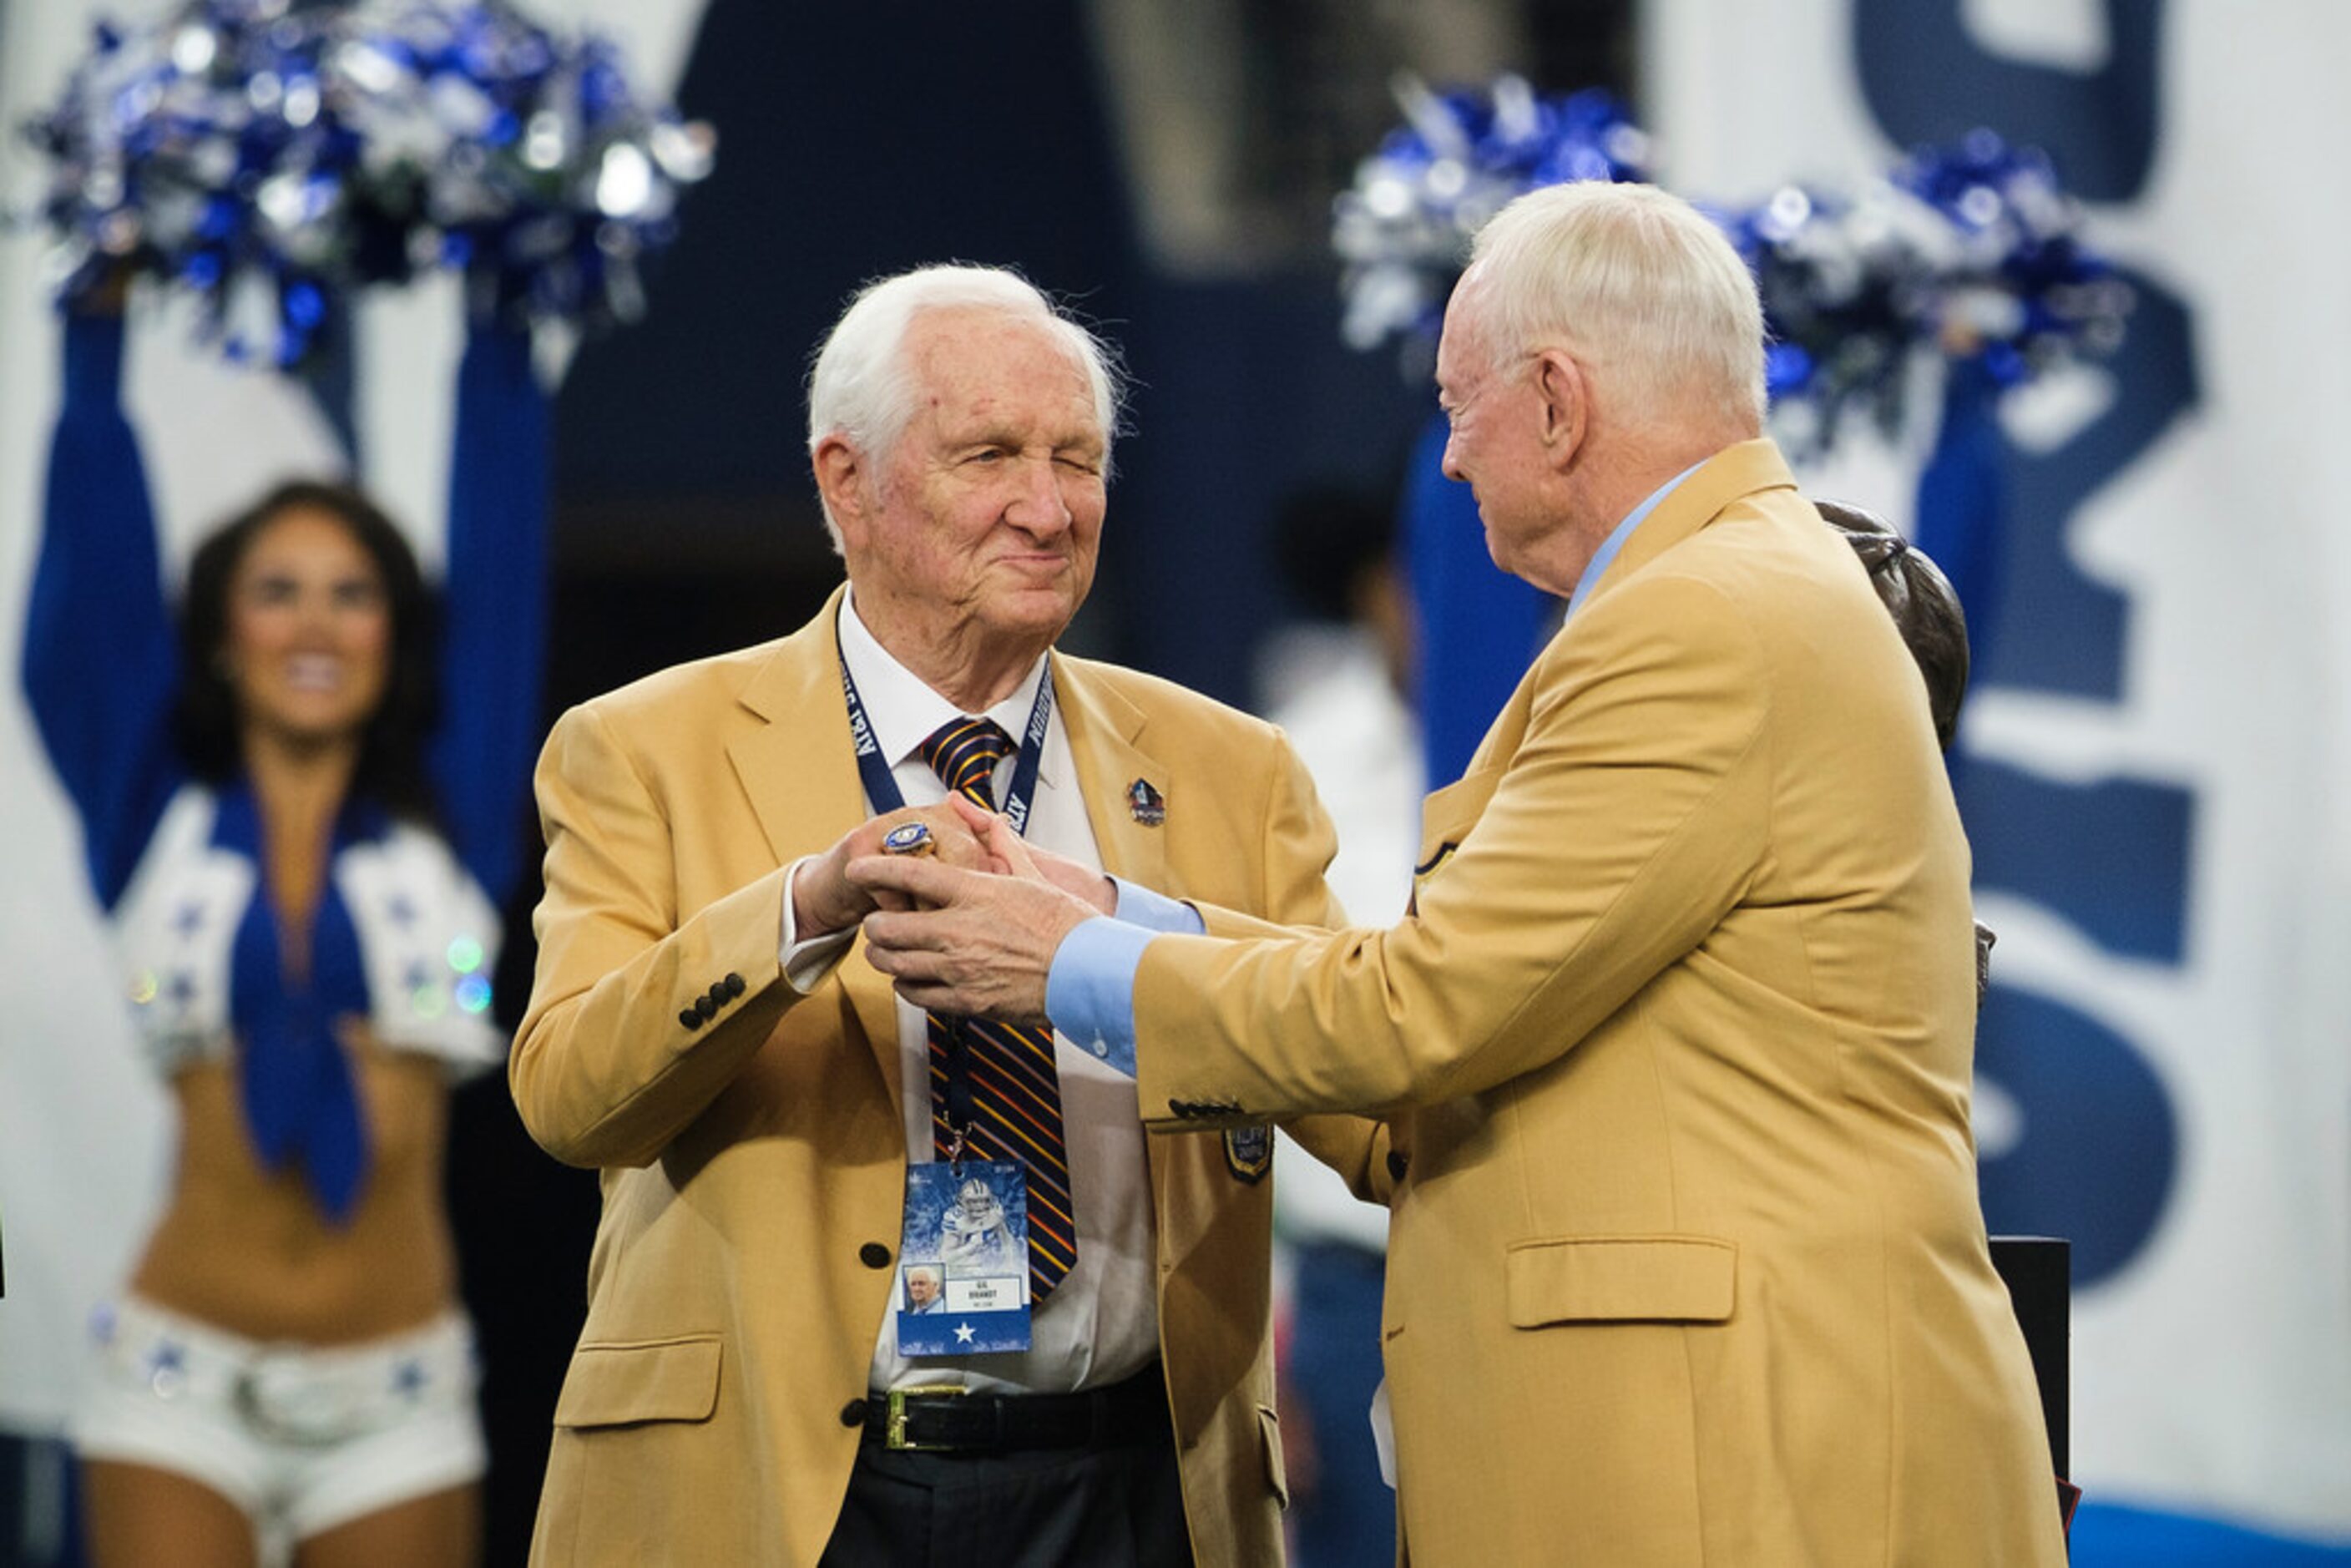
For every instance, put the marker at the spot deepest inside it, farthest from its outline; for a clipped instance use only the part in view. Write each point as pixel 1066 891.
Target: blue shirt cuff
pixel 1138 905
pixel 1089 990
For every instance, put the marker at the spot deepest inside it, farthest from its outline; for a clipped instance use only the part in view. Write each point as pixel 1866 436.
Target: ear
pixel 1566 404
pixel 840 479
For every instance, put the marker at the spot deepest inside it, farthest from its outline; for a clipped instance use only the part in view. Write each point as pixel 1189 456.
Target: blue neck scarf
pixel 302 1101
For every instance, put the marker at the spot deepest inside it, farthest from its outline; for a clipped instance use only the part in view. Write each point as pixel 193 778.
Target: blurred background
pixel 2147 768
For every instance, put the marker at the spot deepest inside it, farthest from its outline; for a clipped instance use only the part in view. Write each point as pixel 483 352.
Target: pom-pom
pixel 274 157
pixel 1970 252
pixel 1404 231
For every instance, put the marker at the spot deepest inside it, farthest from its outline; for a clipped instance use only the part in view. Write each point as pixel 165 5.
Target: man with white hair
pixel 778 1135
pixel 1687 1265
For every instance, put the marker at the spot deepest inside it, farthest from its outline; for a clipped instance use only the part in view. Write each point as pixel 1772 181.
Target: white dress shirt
pixel 1101 1321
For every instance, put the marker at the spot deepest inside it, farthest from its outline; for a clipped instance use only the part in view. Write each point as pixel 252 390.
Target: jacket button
pixel 1398 1164
pixel 873 1255
pixel 853 1413
pixel 734 984
pixel 707 1007
pixel 690 1018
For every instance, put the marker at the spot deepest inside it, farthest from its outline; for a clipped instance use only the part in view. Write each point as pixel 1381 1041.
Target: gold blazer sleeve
pixel 1625 823
pixel 604 1070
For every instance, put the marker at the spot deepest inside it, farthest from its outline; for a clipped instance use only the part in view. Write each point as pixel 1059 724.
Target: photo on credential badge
pixel 964 1279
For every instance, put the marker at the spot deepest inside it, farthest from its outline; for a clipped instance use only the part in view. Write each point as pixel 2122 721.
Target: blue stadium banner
pixel 2148 768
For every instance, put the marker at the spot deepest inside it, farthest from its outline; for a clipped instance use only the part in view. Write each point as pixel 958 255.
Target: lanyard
pixel 882 790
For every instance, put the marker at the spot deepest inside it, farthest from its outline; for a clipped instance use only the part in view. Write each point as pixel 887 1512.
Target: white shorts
pixel 301 1438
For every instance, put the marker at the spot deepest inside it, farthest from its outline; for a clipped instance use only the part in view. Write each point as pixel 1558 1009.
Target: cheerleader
pixel 301 858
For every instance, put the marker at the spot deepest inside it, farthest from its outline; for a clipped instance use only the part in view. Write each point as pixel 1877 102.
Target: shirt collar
pixel 903 709
pixel 1623 530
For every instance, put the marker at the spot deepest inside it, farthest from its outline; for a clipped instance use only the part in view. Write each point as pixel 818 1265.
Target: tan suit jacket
pixel 1688 1266
pixel 754 1167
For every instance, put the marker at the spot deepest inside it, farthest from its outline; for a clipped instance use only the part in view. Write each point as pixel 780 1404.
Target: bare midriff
pixel 249 1249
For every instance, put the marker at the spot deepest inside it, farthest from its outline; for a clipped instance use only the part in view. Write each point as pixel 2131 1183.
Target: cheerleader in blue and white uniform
pixel 302 869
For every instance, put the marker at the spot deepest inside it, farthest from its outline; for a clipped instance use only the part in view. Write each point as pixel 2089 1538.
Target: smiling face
pixel 972 541
pixel 308 646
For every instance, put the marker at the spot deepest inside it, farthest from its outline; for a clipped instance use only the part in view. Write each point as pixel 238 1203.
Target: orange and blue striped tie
pixel 1016 1094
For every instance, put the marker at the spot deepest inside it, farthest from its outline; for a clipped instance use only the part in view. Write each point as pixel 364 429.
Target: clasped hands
pixel 970 929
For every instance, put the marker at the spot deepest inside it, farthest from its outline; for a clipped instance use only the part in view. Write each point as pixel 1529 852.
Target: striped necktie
pixel 1016 1095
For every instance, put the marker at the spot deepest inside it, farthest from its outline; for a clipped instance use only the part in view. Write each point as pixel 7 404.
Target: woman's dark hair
pixel 391 770
pixel 1925 606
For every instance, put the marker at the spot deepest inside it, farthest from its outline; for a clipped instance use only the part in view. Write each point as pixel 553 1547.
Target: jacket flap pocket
pixel 612 1385
pixel 1620 1279
pixel 1446 815
pixel 1277 1475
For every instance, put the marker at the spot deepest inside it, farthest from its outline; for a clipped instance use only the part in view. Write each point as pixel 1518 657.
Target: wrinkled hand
pixel 1013 856
pixel 824 900
pixel 980 945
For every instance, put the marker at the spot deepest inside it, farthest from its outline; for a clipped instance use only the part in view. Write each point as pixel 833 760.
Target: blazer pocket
pixel 1446 817
pixel 1619 1279
pixel 618 1385
pixel 1277 1474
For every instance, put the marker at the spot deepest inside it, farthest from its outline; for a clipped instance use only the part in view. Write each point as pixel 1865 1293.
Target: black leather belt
pixel 952 1421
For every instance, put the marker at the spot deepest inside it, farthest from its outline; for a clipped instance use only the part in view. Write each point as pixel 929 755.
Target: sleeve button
pixel 689 1017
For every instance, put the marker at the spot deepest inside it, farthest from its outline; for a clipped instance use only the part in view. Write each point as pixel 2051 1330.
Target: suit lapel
pixel 1103 729
pixel 801 774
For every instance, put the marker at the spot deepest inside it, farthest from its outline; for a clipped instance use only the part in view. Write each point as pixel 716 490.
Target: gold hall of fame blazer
pixel 753 1168
pixel 1688 1265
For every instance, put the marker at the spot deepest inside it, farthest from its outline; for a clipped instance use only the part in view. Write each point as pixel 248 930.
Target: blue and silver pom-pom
pixel 1845 279
pixel 1404 230
pixel 271 157
pixel 2026 293
pixel 1970 252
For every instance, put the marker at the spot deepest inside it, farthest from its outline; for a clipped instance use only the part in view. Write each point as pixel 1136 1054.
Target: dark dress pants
pixel 1112 1506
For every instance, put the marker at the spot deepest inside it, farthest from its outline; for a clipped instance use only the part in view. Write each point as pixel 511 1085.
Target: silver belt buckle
pixel 893 1435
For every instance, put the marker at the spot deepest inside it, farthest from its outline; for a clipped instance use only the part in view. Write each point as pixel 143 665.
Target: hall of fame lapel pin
pixel 1143 804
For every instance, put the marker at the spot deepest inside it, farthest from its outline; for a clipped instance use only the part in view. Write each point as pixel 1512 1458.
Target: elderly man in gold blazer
pixel 755 1094
pixel 1688 1265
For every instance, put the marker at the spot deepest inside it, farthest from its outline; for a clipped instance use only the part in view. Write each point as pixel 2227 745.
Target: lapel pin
pixel 1142 803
